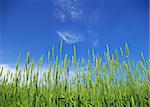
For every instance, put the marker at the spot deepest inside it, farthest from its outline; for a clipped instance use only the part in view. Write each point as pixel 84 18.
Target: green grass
pixel 93 82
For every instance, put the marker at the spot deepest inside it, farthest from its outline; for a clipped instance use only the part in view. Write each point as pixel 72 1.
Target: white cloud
pixel 70 37
pixel 7 68
pixel 60 15
pixel 7 71
pixel 67 9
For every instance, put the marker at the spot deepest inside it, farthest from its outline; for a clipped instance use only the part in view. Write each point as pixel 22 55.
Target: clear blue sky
pixel 34 25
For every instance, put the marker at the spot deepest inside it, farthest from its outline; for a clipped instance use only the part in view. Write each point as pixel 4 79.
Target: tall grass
pixel 93 82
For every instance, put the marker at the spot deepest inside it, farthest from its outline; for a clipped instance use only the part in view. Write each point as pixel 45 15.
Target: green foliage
pixel 93 82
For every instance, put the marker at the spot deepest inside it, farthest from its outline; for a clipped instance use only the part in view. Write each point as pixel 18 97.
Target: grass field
pixel 91 82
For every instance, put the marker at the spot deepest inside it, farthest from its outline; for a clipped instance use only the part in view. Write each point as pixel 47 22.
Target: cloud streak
pixel 73 11
pixel 67 9
pixel 70 37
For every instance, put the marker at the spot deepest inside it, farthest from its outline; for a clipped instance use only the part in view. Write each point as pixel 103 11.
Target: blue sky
pixel 35 25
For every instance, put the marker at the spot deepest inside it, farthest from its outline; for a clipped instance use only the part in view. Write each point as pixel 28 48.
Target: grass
pixel 93 82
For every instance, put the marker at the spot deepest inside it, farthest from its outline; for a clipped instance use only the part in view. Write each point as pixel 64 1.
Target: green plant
pixel 109 83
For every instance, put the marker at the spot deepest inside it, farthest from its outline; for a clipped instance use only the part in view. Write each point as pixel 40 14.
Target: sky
pixel 36 25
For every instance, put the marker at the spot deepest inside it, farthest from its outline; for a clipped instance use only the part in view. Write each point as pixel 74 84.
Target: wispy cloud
pixel 67 9
pixel 73 11
pixel 70 37
pixel 60 15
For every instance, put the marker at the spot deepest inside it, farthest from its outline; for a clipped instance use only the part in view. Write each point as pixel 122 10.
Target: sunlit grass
pixel 92 82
